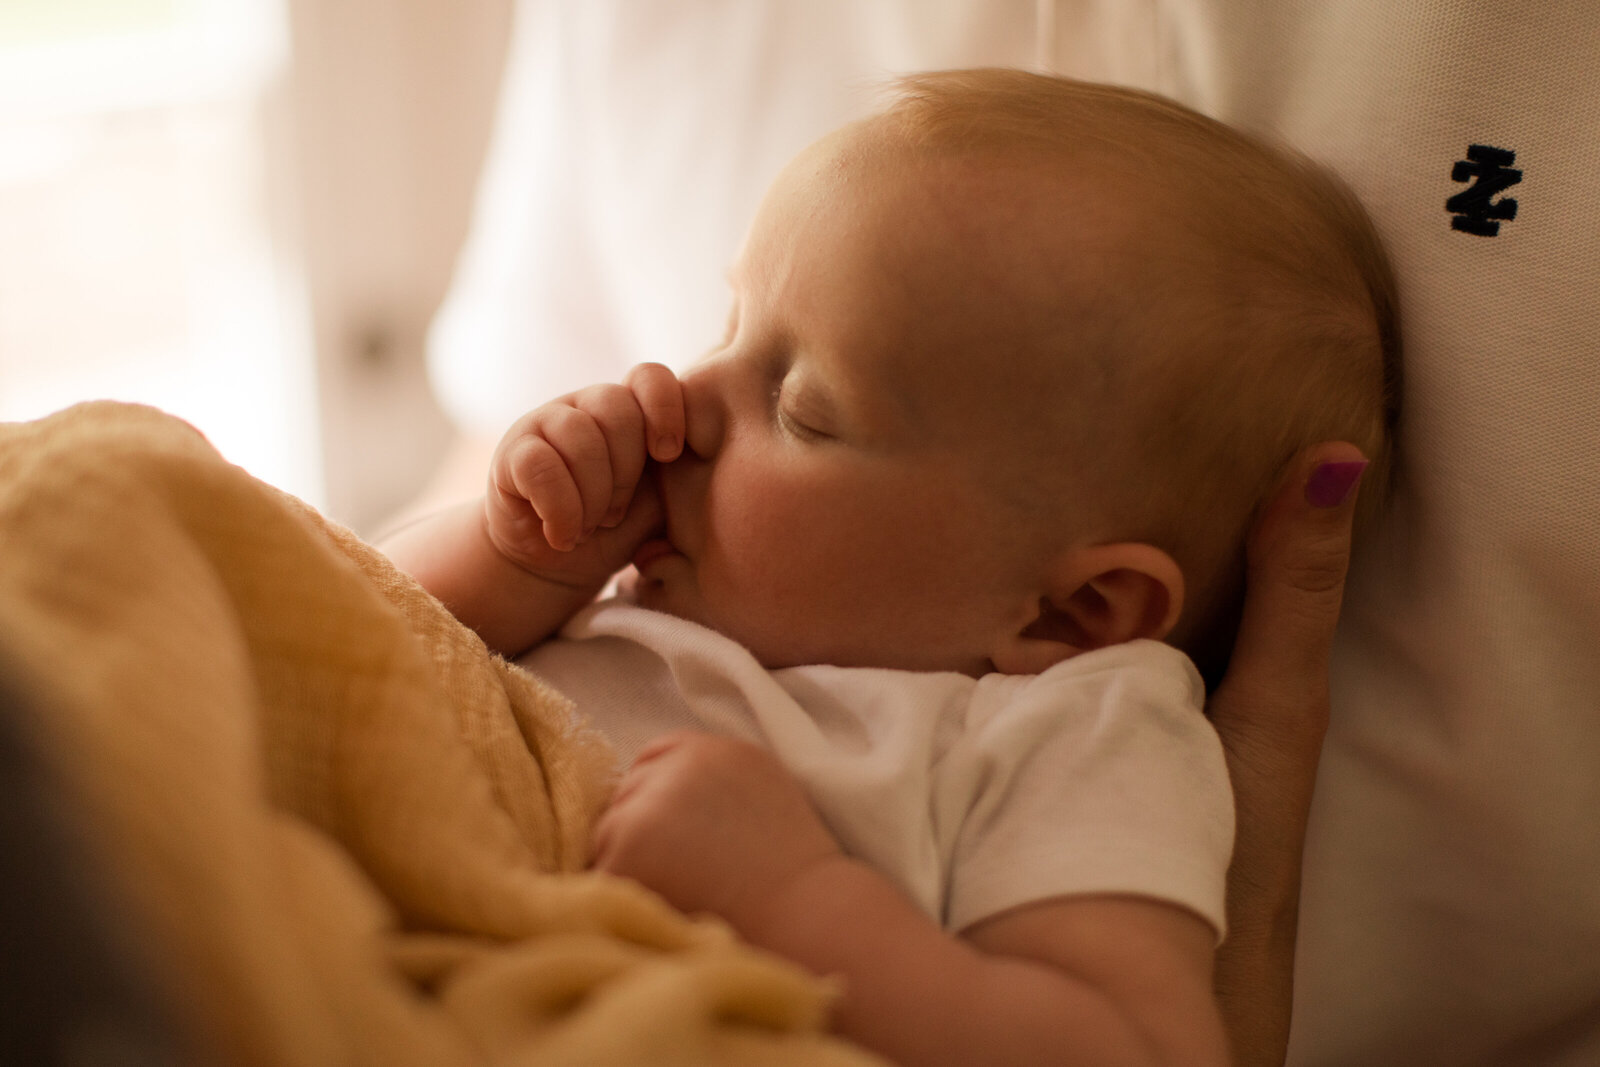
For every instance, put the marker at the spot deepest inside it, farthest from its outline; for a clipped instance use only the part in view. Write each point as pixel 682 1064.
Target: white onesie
pixel 974 795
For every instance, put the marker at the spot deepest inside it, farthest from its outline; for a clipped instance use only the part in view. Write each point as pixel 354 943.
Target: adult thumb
pixel 1297 557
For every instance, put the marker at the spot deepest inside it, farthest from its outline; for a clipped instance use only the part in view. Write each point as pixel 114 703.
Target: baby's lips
pixel 650 551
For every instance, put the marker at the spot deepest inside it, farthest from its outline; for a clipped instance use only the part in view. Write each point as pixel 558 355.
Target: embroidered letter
pixel 1474 209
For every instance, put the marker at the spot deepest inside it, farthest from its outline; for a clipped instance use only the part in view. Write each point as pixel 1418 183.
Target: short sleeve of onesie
pixel 974 795
pixel 1100 775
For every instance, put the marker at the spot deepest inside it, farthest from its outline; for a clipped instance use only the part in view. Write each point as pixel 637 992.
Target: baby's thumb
pixel 644 519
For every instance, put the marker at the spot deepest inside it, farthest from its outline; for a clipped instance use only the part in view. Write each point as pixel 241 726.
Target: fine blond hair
pixel 1285 324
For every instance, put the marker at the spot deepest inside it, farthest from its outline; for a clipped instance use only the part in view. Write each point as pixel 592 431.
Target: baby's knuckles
pixel 717 825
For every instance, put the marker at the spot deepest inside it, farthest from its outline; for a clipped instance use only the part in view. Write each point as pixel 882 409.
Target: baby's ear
pixel 1097 596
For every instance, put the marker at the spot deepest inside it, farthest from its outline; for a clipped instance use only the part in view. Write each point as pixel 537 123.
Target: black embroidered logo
pixel 1475 209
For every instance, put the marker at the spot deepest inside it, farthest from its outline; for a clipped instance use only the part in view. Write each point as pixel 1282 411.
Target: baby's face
pixel 836 502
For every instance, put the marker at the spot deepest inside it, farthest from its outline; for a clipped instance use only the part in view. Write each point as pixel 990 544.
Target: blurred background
pixel 249 212
pixel 245 212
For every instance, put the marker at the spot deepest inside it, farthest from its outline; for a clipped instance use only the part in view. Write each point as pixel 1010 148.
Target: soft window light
pixel 141 248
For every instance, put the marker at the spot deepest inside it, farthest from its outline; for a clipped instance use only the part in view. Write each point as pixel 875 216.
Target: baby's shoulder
pixel 1143 679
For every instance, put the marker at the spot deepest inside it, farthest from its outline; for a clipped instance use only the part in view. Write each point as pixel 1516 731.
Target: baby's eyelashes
pixel 799 429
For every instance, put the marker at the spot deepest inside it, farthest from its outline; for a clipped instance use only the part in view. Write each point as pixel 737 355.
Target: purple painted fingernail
pixel 1331 483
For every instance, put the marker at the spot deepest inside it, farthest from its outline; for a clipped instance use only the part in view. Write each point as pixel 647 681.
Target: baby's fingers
pixel 617 414
pixel 560 466
pixel 660 398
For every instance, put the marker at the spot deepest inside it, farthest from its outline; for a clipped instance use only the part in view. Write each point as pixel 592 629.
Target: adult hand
pixel 1272 712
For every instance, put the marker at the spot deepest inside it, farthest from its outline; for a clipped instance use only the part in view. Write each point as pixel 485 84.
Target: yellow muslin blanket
pixel 338 828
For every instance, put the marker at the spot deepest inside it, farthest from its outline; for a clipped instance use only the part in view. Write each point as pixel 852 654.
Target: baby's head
pixel 1010 369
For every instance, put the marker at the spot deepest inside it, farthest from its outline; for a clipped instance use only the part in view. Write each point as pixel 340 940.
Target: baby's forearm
pixel 451 555
pixel 922 996
pixel 716 824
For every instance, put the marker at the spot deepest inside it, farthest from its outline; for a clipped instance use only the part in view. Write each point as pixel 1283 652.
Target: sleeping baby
pixel 925 555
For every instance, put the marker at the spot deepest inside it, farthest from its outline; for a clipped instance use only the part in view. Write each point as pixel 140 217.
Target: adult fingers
pixel 1297 555
pixel 1271 712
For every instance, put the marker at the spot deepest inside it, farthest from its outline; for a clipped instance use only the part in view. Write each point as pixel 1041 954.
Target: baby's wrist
pixel 774 915
pixel 534 577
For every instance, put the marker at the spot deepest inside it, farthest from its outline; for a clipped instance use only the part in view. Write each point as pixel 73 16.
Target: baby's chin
pixel 665 586
pixel 658 595
pixel 654 593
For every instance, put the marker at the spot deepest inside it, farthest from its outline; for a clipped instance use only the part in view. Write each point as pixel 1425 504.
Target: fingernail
pixel 1331 483
pixel 666 447
pixel 613 516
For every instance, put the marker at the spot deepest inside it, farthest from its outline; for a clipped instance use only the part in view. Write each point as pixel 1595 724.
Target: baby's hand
pixel 565 497
pixel 711 823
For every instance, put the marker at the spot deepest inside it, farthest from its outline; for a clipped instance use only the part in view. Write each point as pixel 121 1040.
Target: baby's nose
pixel 705 408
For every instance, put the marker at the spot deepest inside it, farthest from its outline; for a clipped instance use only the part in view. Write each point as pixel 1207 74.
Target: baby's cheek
pixel 826 565
pixel 777 565
pixel 770 552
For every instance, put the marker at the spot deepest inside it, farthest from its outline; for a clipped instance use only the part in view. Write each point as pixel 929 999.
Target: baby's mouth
pixel 652 550
pixel 659 544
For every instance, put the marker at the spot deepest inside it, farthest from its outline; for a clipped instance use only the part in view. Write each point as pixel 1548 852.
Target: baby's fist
pixel 711 823
pixel 569 476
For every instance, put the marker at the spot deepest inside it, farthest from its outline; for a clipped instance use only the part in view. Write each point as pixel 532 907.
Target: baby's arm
pixel 714 824
pixel 566 507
